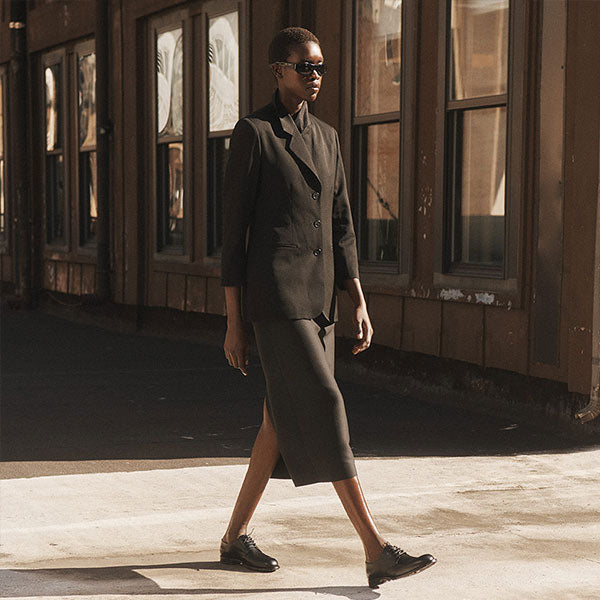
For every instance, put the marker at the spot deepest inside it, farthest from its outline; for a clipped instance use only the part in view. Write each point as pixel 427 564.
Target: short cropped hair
pixel 286 40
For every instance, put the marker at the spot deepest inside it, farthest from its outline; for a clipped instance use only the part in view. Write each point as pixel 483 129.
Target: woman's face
pixel 304 87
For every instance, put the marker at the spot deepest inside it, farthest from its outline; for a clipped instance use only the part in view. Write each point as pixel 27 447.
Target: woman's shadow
pixel 131 580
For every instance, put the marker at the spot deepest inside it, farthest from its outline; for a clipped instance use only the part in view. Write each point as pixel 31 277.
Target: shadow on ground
pixel 132 580
pixel 73 392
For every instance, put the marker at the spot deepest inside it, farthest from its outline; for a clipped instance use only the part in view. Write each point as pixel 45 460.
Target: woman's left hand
pixel 362 328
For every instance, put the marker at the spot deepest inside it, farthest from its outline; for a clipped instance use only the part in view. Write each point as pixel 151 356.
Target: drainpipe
pixel 104 128
pixel 19 132
pixel 592 410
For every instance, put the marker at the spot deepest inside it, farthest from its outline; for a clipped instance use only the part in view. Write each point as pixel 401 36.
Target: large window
pixel 87 157
pixel 377 128
pixel 169 127
pixel 56 200
pixel 224 112
pixel 3 143
pixel 197 98
pixel 476 135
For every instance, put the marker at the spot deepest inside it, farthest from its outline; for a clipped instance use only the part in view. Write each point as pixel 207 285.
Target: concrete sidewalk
pixel 502 528
pixel 122 455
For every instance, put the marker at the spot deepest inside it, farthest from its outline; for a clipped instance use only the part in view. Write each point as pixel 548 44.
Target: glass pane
pixel 88 200
pixel 223 71
pixel 53 103
pixel 55 198
pixel 479 48
pixel 2 197
pixel 218 153
pixel 378 56
pixel 379 223
pixel 479 186
pixel 87 100
pixel 169 82
pixel 170 194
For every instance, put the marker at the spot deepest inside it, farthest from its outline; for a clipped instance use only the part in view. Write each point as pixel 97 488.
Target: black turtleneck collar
pixel 301 118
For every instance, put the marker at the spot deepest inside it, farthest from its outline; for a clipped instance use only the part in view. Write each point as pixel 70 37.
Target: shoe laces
pixel 395 551
pixel 248 541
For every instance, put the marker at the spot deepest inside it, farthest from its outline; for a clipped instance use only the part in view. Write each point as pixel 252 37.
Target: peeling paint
pixel 451 294
pixel 484 298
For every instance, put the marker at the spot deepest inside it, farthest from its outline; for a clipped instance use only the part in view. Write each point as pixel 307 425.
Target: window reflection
pixel 53 101
pixel 378 56
pixel 479 186
pixel 55 198
pixel 218 153
pixel 87 100
pixel 88 200
pixel 170 194
pixel 478 48
pixel 379 223
pixel 169 82
pixel 223 71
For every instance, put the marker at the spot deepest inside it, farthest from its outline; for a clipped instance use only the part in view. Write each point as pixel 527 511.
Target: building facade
pixel 470 133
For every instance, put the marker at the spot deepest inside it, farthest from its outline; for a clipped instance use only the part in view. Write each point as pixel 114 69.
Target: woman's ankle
pixel 372 553
pixel 231 537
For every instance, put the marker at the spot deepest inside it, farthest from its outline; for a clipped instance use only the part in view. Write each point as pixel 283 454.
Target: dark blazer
pixel 288 233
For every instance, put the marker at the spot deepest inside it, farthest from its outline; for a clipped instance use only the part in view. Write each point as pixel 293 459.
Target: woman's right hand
pixel 236 346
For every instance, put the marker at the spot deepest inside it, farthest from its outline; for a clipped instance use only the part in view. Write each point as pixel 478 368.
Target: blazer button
pixel 317 223
pixel 315 195
pixel 317 251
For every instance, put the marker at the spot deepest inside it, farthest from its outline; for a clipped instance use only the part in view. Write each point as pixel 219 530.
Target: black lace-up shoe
pixel 395 563
pixel 244 551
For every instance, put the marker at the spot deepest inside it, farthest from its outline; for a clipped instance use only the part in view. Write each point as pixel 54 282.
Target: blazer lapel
pixel 296 146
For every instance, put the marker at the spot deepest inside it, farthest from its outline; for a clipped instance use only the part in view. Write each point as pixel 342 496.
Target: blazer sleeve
pixel 239 197
pixel 344 239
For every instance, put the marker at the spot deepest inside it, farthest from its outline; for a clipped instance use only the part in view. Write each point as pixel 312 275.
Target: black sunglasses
pixel 304 67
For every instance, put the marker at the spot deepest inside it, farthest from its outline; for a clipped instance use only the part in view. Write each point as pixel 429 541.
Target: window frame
pixel 374 273
pixel 210 10
pixel 53 57
pixel 88 248
pixel 157 24
pixel 5 235
pixel 468 276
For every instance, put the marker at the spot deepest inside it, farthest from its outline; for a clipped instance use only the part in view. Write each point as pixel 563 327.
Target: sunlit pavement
pixel 501 527
pixel 122 455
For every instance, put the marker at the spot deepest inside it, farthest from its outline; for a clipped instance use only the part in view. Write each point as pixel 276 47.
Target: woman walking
pixel 288 243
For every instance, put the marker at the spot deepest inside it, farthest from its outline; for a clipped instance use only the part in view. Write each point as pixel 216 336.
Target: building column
pixel 18 136
pixel 592 410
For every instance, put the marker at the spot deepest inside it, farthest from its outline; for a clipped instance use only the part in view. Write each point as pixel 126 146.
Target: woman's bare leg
pixel 265 453
pixel 353 500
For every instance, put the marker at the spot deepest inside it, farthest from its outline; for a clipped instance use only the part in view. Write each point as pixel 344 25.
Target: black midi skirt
pixel 303 400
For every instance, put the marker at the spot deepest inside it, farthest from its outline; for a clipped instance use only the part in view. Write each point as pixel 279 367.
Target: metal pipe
pixel 19 129
pixel 104 128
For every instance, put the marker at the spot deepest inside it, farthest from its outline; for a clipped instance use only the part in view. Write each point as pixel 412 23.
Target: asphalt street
pixel 122 454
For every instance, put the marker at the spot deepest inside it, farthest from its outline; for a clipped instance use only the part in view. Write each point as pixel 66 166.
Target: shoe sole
pixel 375 581
pixel 238 561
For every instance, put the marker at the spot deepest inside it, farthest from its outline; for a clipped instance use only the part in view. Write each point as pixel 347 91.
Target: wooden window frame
pixel 212 9
pixel 5 235
pixel 195 19
pixel 49 59
pixel 373 273
pixel 156 25
pixel 85 47
pixel 506 284
pixel 201 14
